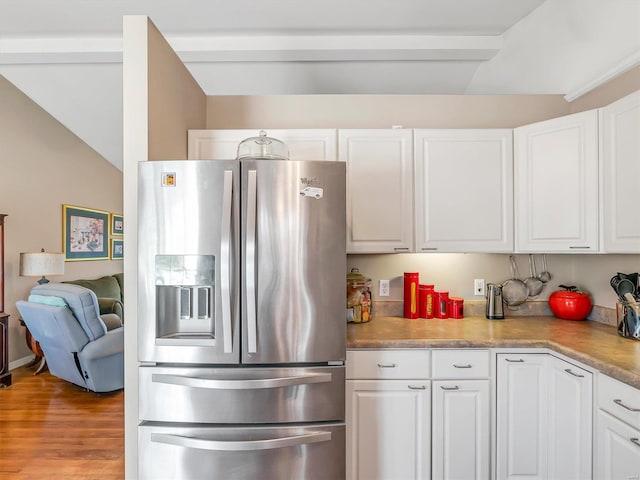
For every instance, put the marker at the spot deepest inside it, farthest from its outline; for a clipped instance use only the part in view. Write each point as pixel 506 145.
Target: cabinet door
pixel 570 421
pixel 464 190
pixel 313 144
pixel 388 429
pixel 617 449
pixel 521 416
pixel 379 189
pixel 556 184
pixel 460 429
pixel 620 138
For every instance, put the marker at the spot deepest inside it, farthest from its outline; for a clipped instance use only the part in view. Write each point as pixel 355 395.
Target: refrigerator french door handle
pixel 251 384
pixel 225 261
pixel 241 445
pixel 252 327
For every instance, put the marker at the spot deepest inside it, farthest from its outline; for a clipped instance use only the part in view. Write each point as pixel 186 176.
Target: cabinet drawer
pixel 394 364
pixel 619 399
pixel 450 364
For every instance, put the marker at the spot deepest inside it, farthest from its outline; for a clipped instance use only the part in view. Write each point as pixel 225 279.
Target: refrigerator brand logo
pixel 308 182
pixel 169 179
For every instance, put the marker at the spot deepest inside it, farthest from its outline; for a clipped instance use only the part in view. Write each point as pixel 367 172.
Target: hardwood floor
pixel 51 429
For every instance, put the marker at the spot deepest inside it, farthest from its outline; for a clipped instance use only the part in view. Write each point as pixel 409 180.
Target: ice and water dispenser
pixel 185 309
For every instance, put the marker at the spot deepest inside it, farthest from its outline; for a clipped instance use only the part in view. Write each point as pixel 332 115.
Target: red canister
pixel 422 301
pixel 429 301
pixel 441 304
pixel 411 294
pixel 456 307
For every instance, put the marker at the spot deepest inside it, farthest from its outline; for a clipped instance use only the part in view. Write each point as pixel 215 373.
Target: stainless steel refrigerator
pixel 241 332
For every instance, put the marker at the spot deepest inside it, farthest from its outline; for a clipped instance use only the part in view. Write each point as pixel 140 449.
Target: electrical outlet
pixel 478 286
pixel 384 288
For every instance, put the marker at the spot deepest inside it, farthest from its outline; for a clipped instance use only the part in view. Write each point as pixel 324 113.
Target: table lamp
pixel 40 264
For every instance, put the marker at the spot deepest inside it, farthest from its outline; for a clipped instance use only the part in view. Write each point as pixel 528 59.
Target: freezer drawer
pixel 267 453
pixel 241 395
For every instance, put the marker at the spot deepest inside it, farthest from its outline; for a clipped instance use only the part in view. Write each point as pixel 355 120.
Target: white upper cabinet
pixel 464 190
pixel 379 189
pixel 313 144
pixel 620 152
pixel 556 184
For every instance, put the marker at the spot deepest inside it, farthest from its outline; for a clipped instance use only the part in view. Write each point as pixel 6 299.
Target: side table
pixel 5 375
pixel 34 346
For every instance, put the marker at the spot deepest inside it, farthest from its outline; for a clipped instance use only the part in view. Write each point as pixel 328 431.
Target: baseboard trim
pixel 20 362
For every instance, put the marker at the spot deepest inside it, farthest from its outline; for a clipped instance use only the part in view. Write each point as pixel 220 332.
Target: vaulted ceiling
pixel 67 54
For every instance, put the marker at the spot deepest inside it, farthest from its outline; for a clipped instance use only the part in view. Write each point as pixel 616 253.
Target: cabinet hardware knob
pixel 617 401
pixel 455 387
pixel 387 365
pixel 519 360
pixel 568 370
pixel 468 365
pixel 417 387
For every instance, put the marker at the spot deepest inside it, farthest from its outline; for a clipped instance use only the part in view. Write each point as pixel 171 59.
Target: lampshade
pixel 40 264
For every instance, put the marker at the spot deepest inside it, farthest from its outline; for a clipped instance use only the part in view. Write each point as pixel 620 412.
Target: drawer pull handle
pixel 455 387
pixel 519 360
pixel 617 401
pixel 401 249
pixel 568 370
pixel 387 365
pixel 468 365
pixel 579 246
pixel 417 387
pixel 635 441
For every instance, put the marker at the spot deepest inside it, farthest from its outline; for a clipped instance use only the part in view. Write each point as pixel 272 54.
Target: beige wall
pixel 44 166
pixel 176 101
pixel 382 111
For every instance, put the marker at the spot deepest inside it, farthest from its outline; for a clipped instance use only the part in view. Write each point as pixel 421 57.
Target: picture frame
pixel 117 249
pixel 84 233
pixel 116 225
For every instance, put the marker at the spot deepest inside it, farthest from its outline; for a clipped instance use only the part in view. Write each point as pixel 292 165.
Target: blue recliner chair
pixel 65 320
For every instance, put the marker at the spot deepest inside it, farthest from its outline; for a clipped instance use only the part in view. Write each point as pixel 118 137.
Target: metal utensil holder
pixel 629 324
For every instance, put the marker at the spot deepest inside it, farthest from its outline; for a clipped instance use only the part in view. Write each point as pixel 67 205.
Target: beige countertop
pixel 591 343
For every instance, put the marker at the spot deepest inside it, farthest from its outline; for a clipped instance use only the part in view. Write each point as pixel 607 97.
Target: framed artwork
pixel 117 224
pixel 84 232
pixel 117 249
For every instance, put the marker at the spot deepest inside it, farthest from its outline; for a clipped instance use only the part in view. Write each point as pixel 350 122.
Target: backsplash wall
pixel 455 272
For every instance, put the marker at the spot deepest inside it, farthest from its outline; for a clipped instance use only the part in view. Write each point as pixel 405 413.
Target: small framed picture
pixel 117 224
pixel 117 249
pixel 84 233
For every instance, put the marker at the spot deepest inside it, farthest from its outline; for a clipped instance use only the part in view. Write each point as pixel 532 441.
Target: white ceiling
pixel 66 54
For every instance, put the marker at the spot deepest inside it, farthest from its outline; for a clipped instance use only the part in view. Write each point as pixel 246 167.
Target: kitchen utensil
pixel 629 326
pixel 570 303
pixel 623 284
pixel 544 276
pixel 494 310
pixel 533 283
pixel 514 290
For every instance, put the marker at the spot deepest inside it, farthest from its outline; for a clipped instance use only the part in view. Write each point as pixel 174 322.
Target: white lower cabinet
pixel 461 432
pixel 388 429
pixel 544 411
pixel 617 444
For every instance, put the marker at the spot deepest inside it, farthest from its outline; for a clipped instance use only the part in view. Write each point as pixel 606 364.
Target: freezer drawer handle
pixel 225 264
pixel 617 401
pixel 241 446
pixel 241 384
